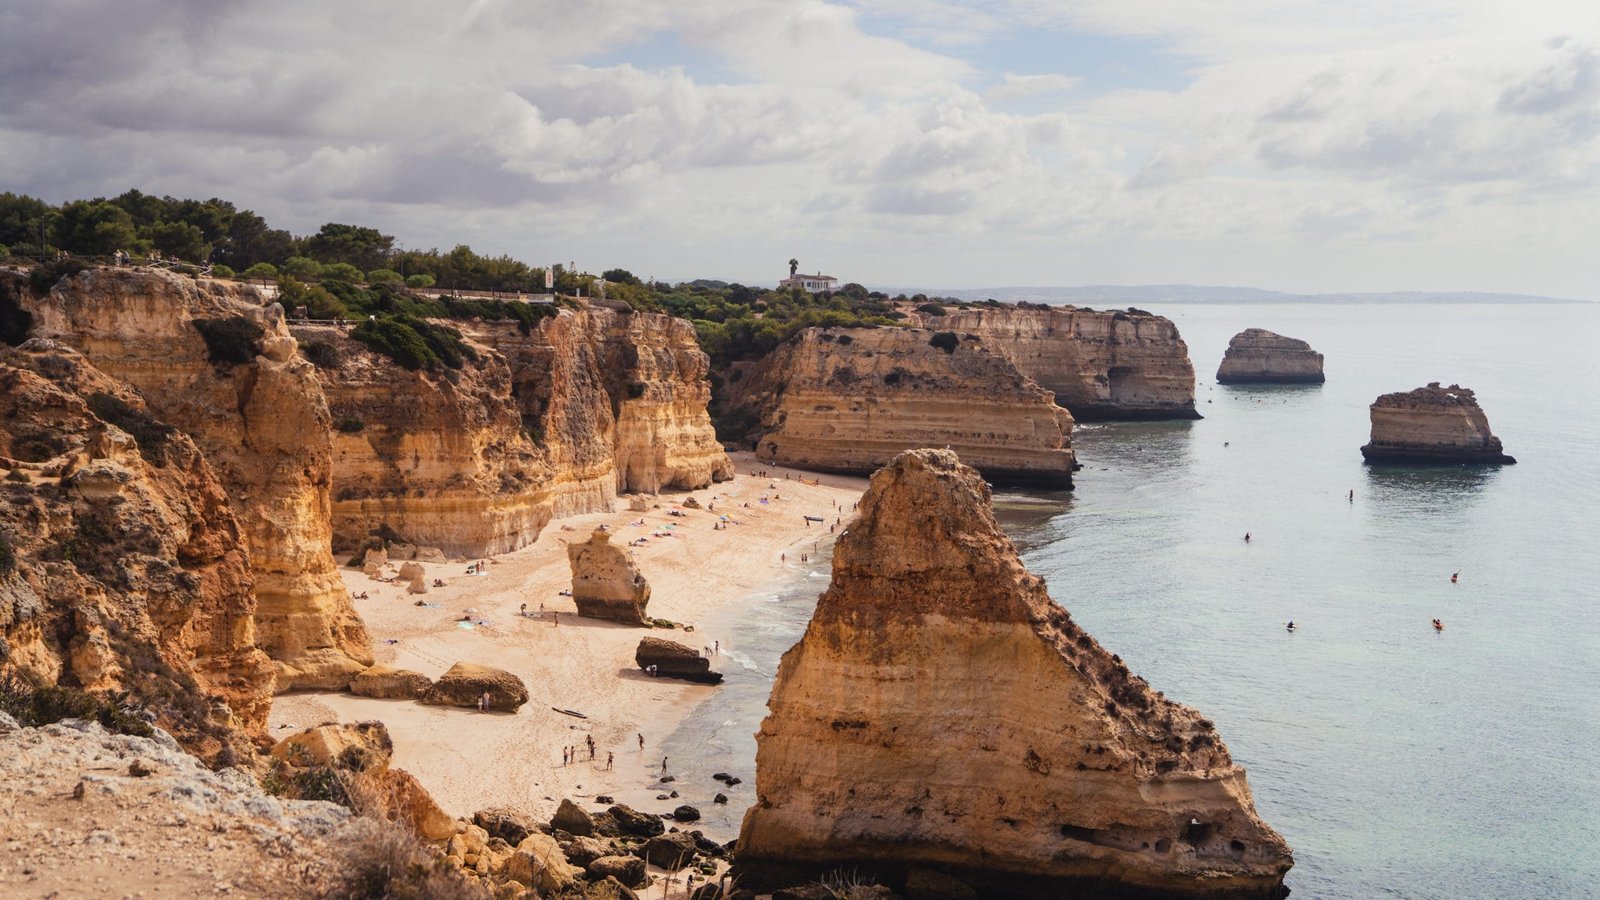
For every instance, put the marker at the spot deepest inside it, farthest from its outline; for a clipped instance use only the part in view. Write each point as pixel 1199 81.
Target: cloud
pixel 1015 87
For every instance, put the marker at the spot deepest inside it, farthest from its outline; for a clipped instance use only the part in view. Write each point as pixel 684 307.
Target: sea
pixel 1398 761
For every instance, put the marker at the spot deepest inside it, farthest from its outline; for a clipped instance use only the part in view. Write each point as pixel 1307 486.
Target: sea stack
pixel 1258 356
pixel 1432 424
pixel 943 721
pixel 606 582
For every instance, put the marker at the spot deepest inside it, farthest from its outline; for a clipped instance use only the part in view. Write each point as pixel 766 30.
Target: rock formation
pixel 606 583
pixel 1258 356
pixel 1116 364
pixel 122 567
pixel 674 660
pixel 1432 424
pixel 551 422
pixel 943 719
pixel 390 683
pixel 209 358
pixel 464 683
pixel 849 400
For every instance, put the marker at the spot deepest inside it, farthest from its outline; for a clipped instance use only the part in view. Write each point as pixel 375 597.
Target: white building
pixel 816 284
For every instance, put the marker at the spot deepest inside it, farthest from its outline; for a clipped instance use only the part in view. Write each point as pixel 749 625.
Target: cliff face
pixel 848 401
pixel 1100 365
pixel 942 714
pixel 1258 356
pixel 127 571
pixel 1432 425
pixel 254 408
pixel 442 461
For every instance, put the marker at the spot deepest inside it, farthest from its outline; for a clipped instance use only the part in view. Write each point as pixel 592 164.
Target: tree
pixel 364 248
pixel 94 228
pixel 620 276
pixel 794 265
pixel 249 240
pixel 178 240
pixel 341 272
pixel 384 276
pixel 421 280
pixel 22 217
pixel 302 267
pixel 261 271
pixel 221 271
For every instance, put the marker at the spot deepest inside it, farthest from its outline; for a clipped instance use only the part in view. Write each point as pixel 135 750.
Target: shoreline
pixel 470 761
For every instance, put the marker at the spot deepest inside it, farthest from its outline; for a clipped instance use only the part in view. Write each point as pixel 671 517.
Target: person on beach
pixel 663 765
pixel 716 648
pixel 641 742
pixel 610 759
pixel 523 611
pixel 556 619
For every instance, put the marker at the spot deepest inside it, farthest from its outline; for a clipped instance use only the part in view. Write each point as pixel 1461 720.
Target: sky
pixel 1301 145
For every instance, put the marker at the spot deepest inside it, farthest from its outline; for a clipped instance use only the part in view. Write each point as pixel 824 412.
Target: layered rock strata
pixel 670 659
pixel 1258 356
pixel 545 422
pixel 1432 424
pixel 1101 365
pixel 254 407
pixel 943 720
pixel 849 400
pixel 606 582
pixel 122 567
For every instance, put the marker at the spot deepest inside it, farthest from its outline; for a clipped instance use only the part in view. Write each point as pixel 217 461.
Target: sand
pixel 471 760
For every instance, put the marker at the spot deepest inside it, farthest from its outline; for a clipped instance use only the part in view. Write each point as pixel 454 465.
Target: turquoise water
pixel 1398 762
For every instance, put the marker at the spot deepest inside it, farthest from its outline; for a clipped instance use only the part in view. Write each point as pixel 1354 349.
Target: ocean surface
pixel 1398 762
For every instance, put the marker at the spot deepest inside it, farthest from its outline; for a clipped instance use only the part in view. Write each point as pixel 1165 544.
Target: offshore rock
pixel 1116 364
pixel 123 567
pixel 606 583
pixel 256 411
pixel 1258 356
pixel 849 400
pixel 1432 424
pixel 674 660
pixel 1037 767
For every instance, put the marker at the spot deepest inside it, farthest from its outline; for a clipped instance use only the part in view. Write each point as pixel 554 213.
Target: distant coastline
pixel 1134 295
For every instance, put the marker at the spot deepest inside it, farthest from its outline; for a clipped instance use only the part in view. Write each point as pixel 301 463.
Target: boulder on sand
pixel 606 583
pixel 466 682
pixel 573 820
pixel 675 660
pixel 390 683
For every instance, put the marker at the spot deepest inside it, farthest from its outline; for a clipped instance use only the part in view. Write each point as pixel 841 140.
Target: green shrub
pixel 232 341
pixel 34 703
pixel 422 280
pixel 341 272
pixel 150 435
pixel 947 341
pixel 384 276
pixel 261 271
pixel 323 354
pixel 18 476
pixel 221 271
pixel 932 309
pixel 44 277
pixel 302 267
pixel 414 343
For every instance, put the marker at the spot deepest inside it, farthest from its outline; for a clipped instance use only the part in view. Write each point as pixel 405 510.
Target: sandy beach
pixel 472 760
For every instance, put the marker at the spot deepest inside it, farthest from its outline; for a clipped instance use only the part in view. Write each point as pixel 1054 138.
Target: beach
pixel 470 760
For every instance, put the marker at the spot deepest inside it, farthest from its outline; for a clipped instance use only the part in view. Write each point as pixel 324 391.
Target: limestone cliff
pixel 1100 365
pixel 849 400
pixel 1432 425
pixel 1258 356
pixel 942 718
pixel 606 583
pixel 122 567
pixel 440 459
pixel 254 408
pixel 548 423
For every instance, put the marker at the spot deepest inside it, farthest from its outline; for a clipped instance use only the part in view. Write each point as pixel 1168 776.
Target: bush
pixel 34 703
pixel 150 435
pixel 348 424
pixel 235 340
pixel 302 267
pixel 384 276
pixel 945 340
pixel 383 859
pixel 261 271
pixel 932 309
pixel 222 271
pixel 423 280
pixel 18 476
pixel 341 272
pixel 323 354
pixel 413 343
pixel 44 277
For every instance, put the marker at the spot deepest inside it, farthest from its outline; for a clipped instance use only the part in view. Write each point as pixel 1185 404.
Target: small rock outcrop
pixel 674 660
pixel 1432 424
pixel 390 683
pixel 1258 356
pixel 1101 365
pixel 606 583
pixel 848 400
pixel 465 683
pixel 1037 767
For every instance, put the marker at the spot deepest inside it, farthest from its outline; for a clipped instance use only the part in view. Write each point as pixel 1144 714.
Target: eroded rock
pixel 390 683
pixel 606 582
pixel 1258 356
pixel 1059 772
pixel 1432 424
pixel 465 683
pixel 674 660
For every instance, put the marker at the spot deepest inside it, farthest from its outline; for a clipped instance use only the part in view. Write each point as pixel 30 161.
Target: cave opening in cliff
pixel 1123 383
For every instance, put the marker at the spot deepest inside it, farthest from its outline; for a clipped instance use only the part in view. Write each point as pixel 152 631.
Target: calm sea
pixel 1397 761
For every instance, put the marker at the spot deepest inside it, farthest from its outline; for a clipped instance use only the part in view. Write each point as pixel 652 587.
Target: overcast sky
pixel 1309 145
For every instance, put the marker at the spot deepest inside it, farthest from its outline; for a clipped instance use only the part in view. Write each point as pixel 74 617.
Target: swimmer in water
pixel 1290 626
pixel 1454 576
pixel 1438 625
pixel 1247 537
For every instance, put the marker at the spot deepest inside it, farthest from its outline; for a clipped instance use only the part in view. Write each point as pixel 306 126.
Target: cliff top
pixel 1260 338
pixel 1454 397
